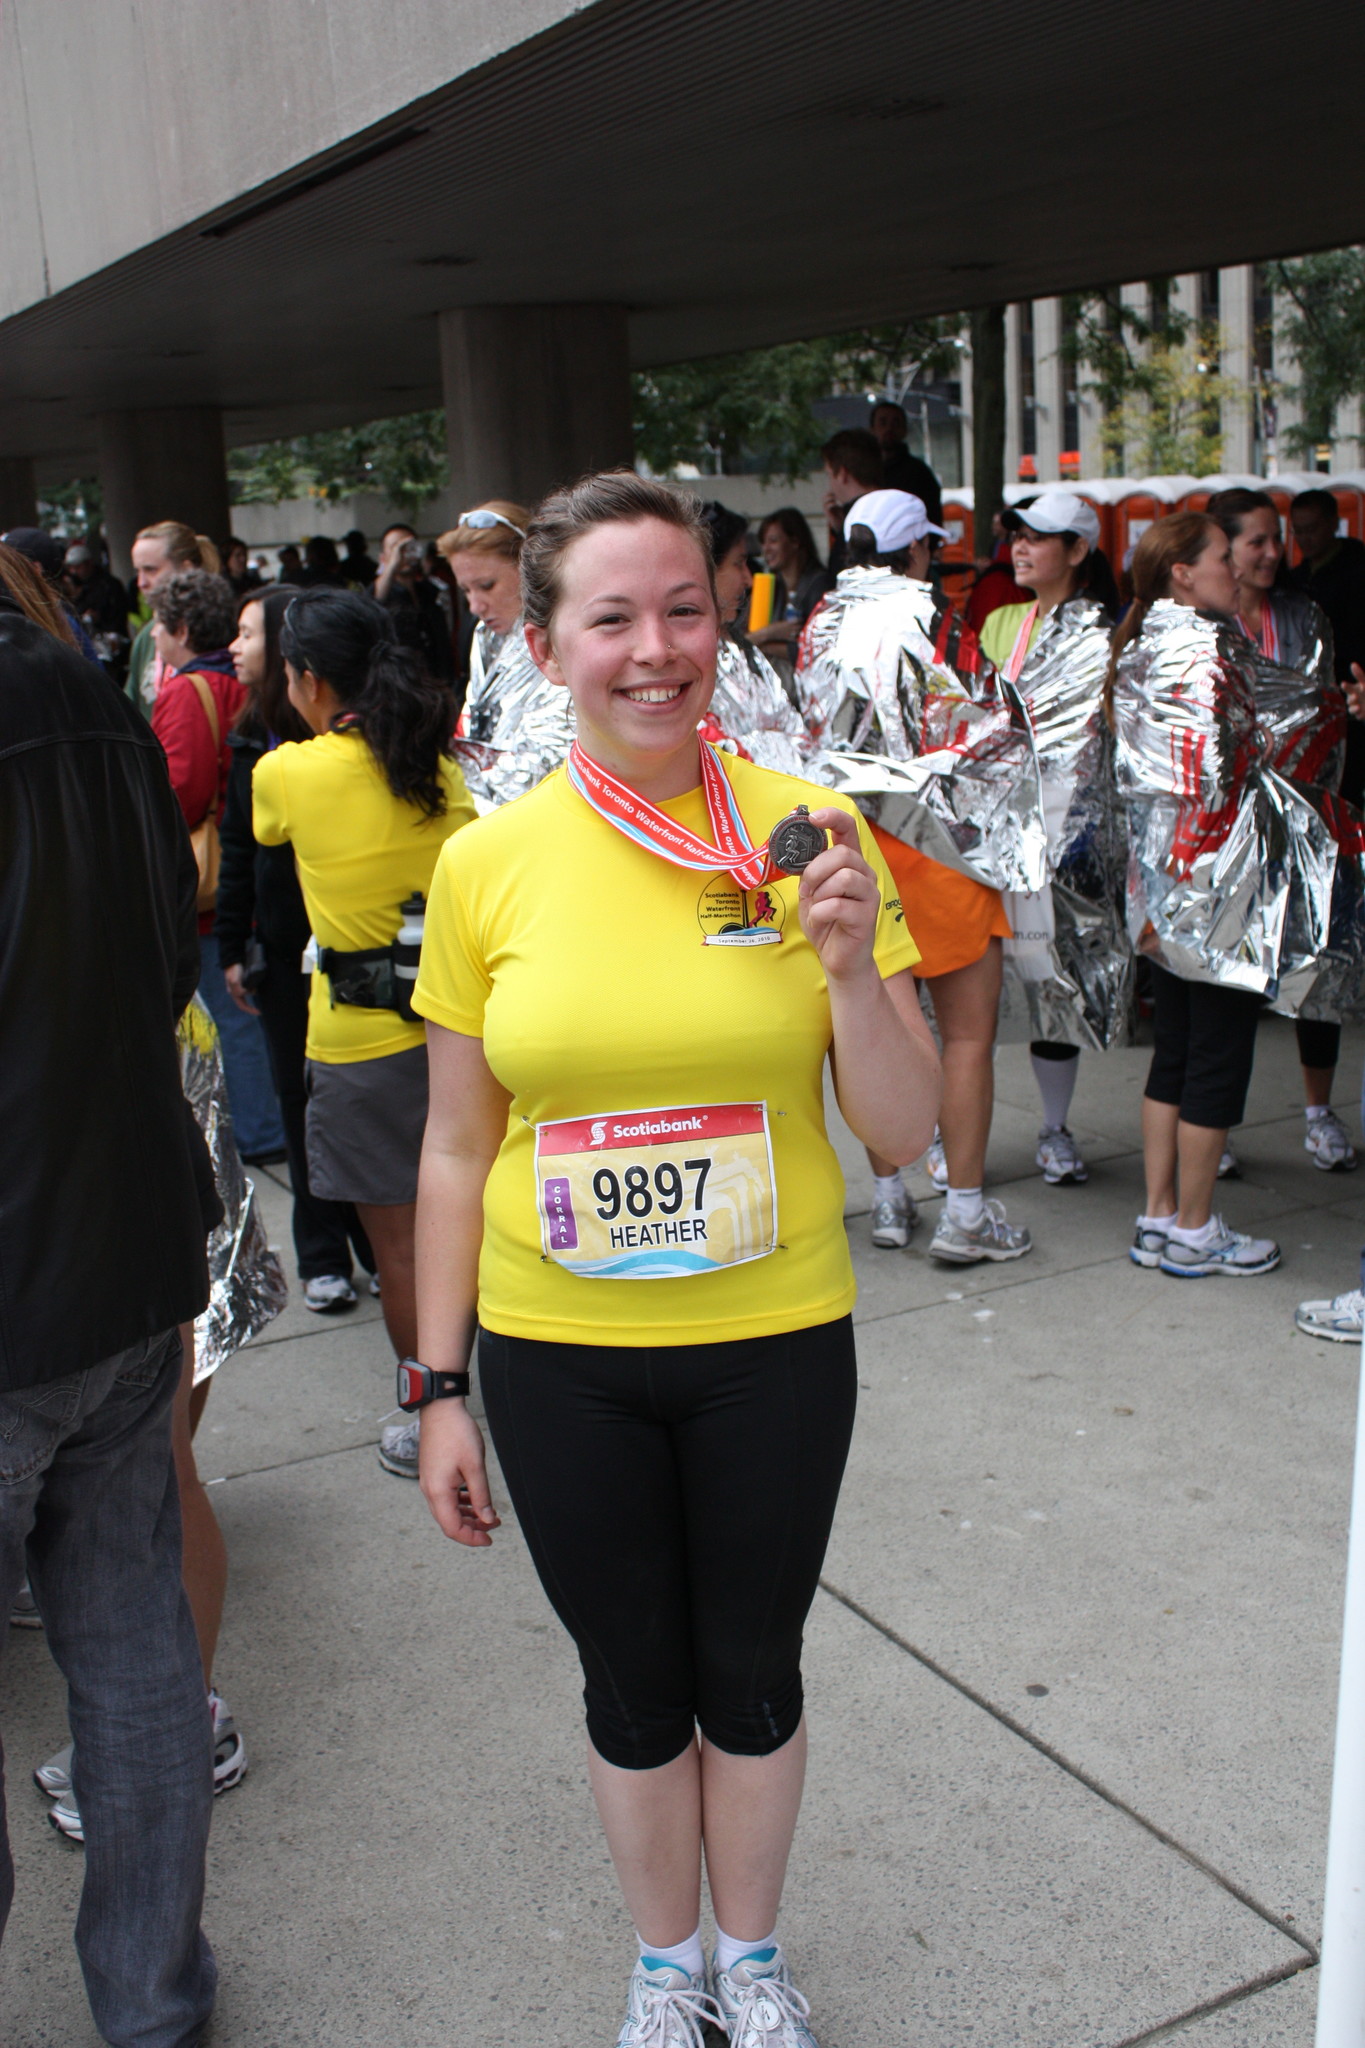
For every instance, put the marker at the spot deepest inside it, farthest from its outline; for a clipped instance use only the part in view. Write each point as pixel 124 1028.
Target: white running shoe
pixel 760 2006
pixel 53 1778
pixel 1060 1158
pixel 1228 1251
pixel 1328 1145
pixel 329 1294
pixel 936 1165
pixel 893 1220
pixel 991 1238
pixel 398 1447
pixel 1149 1242
pixel 666 2008
pixel 1341 1321
pixel 1229 1166
pixel 24 1613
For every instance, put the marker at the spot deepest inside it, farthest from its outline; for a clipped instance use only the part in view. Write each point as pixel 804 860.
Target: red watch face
pixel 411 1386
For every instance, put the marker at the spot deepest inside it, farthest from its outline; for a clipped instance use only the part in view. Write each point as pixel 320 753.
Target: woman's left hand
pixel 1355 691
pixel 840 899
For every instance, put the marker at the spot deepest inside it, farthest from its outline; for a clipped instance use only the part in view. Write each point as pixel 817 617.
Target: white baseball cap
pixel 895 519
pixel 1057 512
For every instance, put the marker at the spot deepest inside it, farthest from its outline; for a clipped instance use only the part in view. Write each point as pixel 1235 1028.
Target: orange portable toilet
pixel 960 528
pixel 1133 511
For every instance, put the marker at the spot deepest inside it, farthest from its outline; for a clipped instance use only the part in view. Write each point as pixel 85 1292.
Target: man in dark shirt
pixel 902 471
pixel 1332 573
pixel 418 615
pixel 102 1225
pixel 358 568
pixel 853 467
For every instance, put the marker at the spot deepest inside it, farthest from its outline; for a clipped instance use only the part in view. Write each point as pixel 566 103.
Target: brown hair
pixel 201 607
pixel 1179 537
pixel 488 540
pixel 857 450
pixel 186 548
pixel 612 497
pixel 33 595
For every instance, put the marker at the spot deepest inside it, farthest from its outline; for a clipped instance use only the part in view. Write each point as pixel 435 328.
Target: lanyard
pixel 1019 651
pixel 1268 639
pixel 733 851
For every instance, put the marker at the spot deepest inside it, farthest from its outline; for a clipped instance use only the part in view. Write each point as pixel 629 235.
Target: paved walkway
pixel 1072 1676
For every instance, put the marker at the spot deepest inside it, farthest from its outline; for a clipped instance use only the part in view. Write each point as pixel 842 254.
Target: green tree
pixel 72 509
pixel 1156 379
pixel 1323 320
pixel 402 459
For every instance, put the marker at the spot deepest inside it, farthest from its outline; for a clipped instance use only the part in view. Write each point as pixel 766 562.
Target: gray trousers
pixel 89 1503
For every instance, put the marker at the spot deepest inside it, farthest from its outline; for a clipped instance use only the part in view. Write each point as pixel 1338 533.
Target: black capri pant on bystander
pixel 1205 1043
pixel 677 1501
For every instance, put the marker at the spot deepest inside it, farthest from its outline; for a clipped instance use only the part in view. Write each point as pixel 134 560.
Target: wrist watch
pixel 418 1384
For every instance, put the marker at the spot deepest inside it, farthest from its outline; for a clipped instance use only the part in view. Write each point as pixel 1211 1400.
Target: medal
pixel 794 842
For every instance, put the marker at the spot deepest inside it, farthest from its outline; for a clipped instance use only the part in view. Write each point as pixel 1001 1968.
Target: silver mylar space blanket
pixel 247 1287
pixel 517 726
pixel 1244 867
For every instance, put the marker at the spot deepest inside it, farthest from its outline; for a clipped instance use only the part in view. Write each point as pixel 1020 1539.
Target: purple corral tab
pixel 559 1214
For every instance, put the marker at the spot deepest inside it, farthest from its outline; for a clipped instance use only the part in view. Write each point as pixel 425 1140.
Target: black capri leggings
pixel 1205 1045
pixel 677 1501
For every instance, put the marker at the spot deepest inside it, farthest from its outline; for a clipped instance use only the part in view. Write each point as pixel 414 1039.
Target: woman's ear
pixel 543 655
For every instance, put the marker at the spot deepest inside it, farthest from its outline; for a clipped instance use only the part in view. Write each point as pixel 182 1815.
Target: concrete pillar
pixel 1185 296
pixel 1347 450
pixel 1138 299
pixel 964 370
pixel 1050 375
pixel 534 396
pixel 162 462
pixel 1237 365
pixel 1282 454
pixel 1089 423
pixel 18 492
pixel 1014 397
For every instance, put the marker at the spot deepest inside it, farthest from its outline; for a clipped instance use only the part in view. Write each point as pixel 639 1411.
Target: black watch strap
pixel 418 1384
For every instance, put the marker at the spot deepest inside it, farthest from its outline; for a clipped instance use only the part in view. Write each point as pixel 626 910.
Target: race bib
pixel 657 1194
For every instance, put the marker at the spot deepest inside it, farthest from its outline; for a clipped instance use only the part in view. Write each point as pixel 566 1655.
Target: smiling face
pixel 1257 549
pixel 633 641
pixel 491 585
pixel 780 552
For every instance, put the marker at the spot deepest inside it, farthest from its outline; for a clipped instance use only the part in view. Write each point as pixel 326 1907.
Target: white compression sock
pixel 965 1207
pixel 1204 1235
pixel 729 1951
pixel 1056 1085
pixel 684 1955
pixel 888 1188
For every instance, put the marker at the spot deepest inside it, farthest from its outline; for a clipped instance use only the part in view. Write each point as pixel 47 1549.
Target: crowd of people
pixel 353 833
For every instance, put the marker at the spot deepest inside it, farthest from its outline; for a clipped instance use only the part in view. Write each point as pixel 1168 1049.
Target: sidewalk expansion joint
pixel 1164 2029
pixel 1309 1953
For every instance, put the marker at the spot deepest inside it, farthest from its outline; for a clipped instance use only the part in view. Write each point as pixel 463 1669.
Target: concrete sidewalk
pixel 1072 1677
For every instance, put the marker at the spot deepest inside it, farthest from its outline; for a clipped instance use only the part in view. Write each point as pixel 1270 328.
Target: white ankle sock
pixel 1316 1111
pixel 887 1188
pixel 1204 1235
pixel 1056 1085
pixel 684 1955
pixel 1159 1222
pixel 729 1951
pixel 965 1207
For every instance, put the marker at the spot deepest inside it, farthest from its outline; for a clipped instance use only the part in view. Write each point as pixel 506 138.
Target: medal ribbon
pixel 1019 651
pixel 636 818
pixel 1268 639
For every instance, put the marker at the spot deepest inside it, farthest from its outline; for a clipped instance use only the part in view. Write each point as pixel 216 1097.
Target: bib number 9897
pixel 659 1193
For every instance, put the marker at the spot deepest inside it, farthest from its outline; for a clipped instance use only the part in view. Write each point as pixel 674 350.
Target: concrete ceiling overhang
pixel 735 172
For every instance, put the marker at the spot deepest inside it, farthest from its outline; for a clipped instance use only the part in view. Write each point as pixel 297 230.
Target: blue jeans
pixel 256 1121
pixel 88 1498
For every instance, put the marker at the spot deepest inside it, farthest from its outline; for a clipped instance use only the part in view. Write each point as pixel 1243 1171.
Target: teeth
pixel 662 696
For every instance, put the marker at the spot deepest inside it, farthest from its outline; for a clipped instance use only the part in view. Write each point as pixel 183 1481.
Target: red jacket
pixel 198 769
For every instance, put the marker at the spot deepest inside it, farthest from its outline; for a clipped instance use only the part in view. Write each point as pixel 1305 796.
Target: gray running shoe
pixel 936 1165
pixel 760 2006
pixel 1229 1166
pixel 398 1448
pixel 991 1238
pixel 329 1294
pixel 1060 1158
pixel 893 1221
pixel 1149 1242
pixel 1328 1145
pixel 666 2008
pixel 1341 1321
pixel 53 1778
pixel 1228 1251
pixel 24 1613
pixel 66 1819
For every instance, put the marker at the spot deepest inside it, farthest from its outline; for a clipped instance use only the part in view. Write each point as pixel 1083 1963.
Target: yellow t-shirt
pixel 361 852
pixel 579 958
pixel 1000 630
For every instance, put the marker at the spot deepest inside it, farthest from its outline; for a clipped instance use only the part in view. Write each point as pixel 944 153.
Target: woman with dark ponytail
pixel 367 805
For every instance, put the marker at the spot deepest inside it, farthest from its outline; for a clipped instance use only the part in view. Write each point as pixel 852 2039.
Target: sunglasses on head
pixel 482 519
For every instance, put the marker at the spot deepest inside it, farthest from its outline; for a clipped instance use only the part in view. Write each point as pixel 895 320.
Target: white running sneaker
pixel 1229 1166
pixel 1341 1321
pixel 991 1238
pixel 53 1778
pixel 1228 1251
pixel 936 1165
pixel 893 1220
pixel 760 2006
pixel 1328 1145
pixel 1060 1158
pixel 398 1447
pixel 1149 1241
pixel 329 1294
pixel 24 1613
pixel 666 2008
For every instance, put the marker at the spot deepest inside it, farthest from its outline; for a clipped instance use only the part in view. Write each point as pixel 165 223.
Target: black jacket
pixel 258 886
pixel 101 1222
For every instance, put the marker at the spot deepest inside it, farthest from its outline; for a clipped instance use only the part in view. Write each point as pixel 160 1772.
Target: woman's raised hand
pixel 840 899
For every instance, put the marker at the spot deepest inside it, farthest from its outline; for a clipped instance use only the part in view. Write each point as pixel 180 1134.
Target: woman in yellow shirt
pixel 367 806
pixel 629 1013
